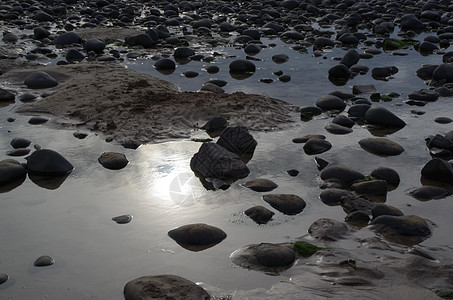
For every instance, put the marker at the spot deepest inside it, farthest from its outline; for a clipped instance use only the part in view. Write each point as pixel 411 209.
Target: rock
pixel 307 112
pixel 340 71
pixel 357 203
pixel 288 204
pixel 381 146
pixel 183 52
pixel 428 96
pixel 351 58
pixel 113 160
pixel 190 74
pixel 37 120
pixel 411 22
pixel 215 126
pixel 74 55
pixel 363 89
pixel 305 138
pixel 165 64
pixel 387 174
pixel 341 174
pixel 357 217
pixel 443 120
pixel 284 78
pixel 18 152
pixel 95 45
pixel 260 185
pixel 41 16
pixel 426 47
pixel 321 163
pixel 359 69
pixel 383 117
pixel 383 72
pixel 330 102
pixel 443 74
pixel 381 209
pixel 328 229
pixel 271 255
pixel 197 237
pixel 316 146
pixel 426 72
pixel 40 80
pixel 337 129
pixel 292 34
pixel 426 193
pixel 239 141
pixel 40 33
pixel 20 143
pixel 323 42
pixel 293 172
pixel 141 39
pixel 259 214
pixel 252 49
pixel 370 187
pixel 358 111
pixel 11 170
pixel 334 196
pixel 212 69
pixel 48 162
pixel 212 88
pixel 3 278
pixel 6 96
pixel 439 141
pixel 164 287
pixel 280 58
pixel 80 135
pixel 123 219
pixel 343 121
pixel 404 225
pixel 44 261
pixel 439 170
pixel 242 66
pixel 67 38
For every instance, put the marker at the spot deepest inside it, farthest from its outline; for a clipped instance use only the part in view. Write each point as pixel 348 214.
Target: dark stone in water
pixel 6 96
pixel 3 278
pixel 197 237
pixel 321 163
pixel 351 58
pixel 343 121
pixel 40 80
pixel 381 146
pixel 404 225
pixel 337 129
pixel 443 120
pixel 341 174
pixel 242 66
pixel 381 209
pixel 328 229
pixel 387 174
pixel 293 172
pixel 20 143
pixel 113 160
pixel 334 196
pixel 123 219
pixel 340 71
pixel 357 217
pixel 259 214
pixel 37 120
pixel 426 193
pixel 271 255
pixel 383 117
pixel 215 126
pixel 439 170
pixel 48 162
pixel 260 185
pixel 80 135
pixel 18 152
pixel 11 170
pixel 286 203
pixel 239 141
pixel 44 261
pixel 316 146
pixel 165 64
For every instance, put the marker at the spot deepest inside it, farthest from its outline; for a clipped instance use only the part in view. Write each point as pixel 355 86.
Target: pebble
pixel 44 261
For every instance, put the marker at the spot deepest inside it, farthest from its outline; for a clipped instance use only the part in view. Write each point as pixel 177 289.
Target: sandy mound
pixel 128 106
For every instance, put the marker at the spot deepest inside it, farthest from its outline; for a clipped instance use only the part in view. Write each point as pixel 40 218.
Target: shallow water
pixel 95 257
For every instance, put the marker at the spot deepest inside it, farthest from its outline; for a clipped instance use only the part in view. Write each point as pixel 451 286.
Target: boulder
pixel 259 214
pixel 383 72
pixel 197 237
pixel 351 58
pixel 6 96
pixel 67 38
pixel 370 187
pixel 330 102
pixel 95 45
pixel 238 140
pixel 337 129
pixel 334 196
pixel 426 193
pixel 404 225
pixel 11 170
pixel 383 117
pixel 39 80
pixel 242 66
pixel 20 143
pixel 271 255
pixel 165 64
pixel 339 71
pixel 183 52
pixel 387 174
pixel 381 209
pixel 316 145
pixel 381 146
pixel 439 170
pixel 141 39
pixel 48 162
pixel 288 204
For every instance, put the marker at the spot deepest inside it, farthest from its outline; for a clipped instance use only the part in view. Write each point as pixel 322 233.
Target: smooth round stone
pixel 218 82
pixel 404 225
pixel 44 261
pixel 6 96
pixel 381 146
pixel 74 55
pixel 426 193
pixel 280 58
pixel 260 185
pixel 351 58
pixel 357 203
pixel 381 209
pixel 340 71
pixel 387 174
pixel 341 174
pixel 293 172
pixel 141 39
pixel 113 160
pixel 80 135
pixel 359 69
pixel 18 152
pixel 210 87
pixel 439 170
pixel 343 121
pixel 305 138
pixel 39 80
pixel 191 74
pixel 252 49
pixel 443 120
pixel 328 229
pixel 284 78
pixel 357 217
pixel 48 162
pixel 95 45
pixel 3 278
pixel 20 143
pixel 370 187
pixel 271 255
pixel 163 287
pixel 428 96
pixel 316 146
pixel 334 196
pixel 216 124
pixel 183 52
pixel 329 102
pixel 286 203
pixel 11 170
pixel 27 97
pixel 37 120
pixel 196 237
pixel 307 112
pixel 358 110
pixel 383 72
pixel 123 219
pixel 259 214
pixel 212 69
pixel 165 64
pixel 242 66
pixel 337 129
pixel 67 38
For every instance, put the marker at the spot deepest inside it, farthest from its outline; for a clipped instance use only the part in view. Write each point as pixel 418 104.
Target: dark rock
pixel 381 209
pixel 307 112
pixel 123 219
pixel 443 74
pixel 340 71
pixel 351 58
pixel 305 138
pixel 215 126
pixel 438 170
pixel 286 203
pixel 252 49
pixel 381 146
pixel 341 174
pixel 293 172
pixel 67 38
pixel 183 52
pixel 342 95
pixel 427 47
pixel 197 237
pixel 328 229
pixel 44 261
pixel 334 196
pixel 443 120
pixel 239 141
pixel 165 64
pixel 260 185
pixel 80 135
pixel 439 141
pixel 3 278
pixel 40 80
pixel 113 160
pixel 387 174
pixel 190 74
pixel 242 66
pixel 426 72
pixel 141 39
pixel 37 120
pixel 271 255
pixel 370 187
pixel 358 111
pixel 383 72
pixel 95 45
pixel 343 121
pixel 411 22
pixel 383 117
pixel 357 217
pixel 11 170
pixel 6 96
pixel 280 58
pixel 164 287
pixel 20 143
pixel 48 162
pixel 259 214
pixel 18 152
pixel 212 69
pixel 74 55
pixel 359 69
pixel 424 96
pixel 323 42
pixel 321 163
pixel 337 129
pixel 41 16
pixel 404 225
pixel 357 203
pixel 284 78
pixel 330 102
pixel 363 89
pixel 316 146
pixel 426 193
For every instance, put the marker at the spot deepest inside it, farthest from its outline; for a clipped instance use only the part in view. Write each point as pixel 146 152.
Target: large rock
pixel 426 193
pixel 259 214
pixel 164 287
pixel 316 145
pixel 411 22
pixel 141 39
pixel 239 141
pixel 387 174
pixel 242 66
pixel 329 102
pixel 48 162
pixel 6 96
pixel 328 229
pixel 370 187
pixel 381 209
pixel 67 38
pixel 39 80
pixel 439 170
pixel 351 58
pixel 11 170
pixel 404 225
pixel 95 45
pixel 341 174
pixel 383 72
pixel 334 196
pixel 381 146
pixel 271 255
pixel 197 237
pixel 383 117
pixel 286 203
pixel 443 73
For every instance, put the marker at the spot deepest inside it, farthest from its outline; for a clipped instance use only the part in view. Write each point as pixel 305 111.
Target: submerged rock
pixel 328 229
pixel 370 187
pixel 404 225
pixel 123 219
pixel 426 193
pixel 3 278
pixel 259 214
pixel 260 185
pixel 164 287
pixel 381 209
pixel 239 141
pixel 387 174
pixel 20 143
pixel 316 146
pixel 197 237
pixel 11 170
pixel 334 196
pixel 439 170
pixel 288 204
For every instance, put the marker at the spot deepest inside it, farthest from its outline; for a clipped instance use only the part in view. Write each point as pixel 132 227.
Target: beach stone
pixel 439 170
pixel 242 66
pixel 305 138
pixel 20 143
pixel 443 120
pixel 74 55
pixel 292 34
pixel 284 78
pixel 212 69
pixel 40 33
pixel 141 39
pixel 321 163
pixel 383 117
pixel 429 96
pixel 260 185
pixel 80 135
pixel 443 73
pixel 215 125
pixel 18 152
pixel 427 47
pixel 39 80
pixel 411 22
pixel 339 71
pixel 444 91
pixel 3 278
pixel 381 146
pixel 358 111
pixel 439 141
pixel 95 45
pixel 387 174
pixel 272 255
pixel 252 49
pixel 123 219
pixel 344 121
pixel 288 204
pixel 6 96
pixel 113 160
pixel 238 140
pixel 357 217
pixel 370 187
pixel 190 74
pixel 280 58
pixel 11 170
pixel 359 69
pixel 307 112
pixel 334 196
pixel 342 174
pixel 214 161
pixel 426 72
pixel 292 172
pixel 337 129
pixel 183 52
pixel 426 193
pixel 213 88
pixel 67 38
pixel 351 58
pixel 357 203
pixel 41 16
pixel 259 214
pixel 363 89
pixel 48 162
pixel 253 33
pixel 330 102
pixel 404 225
pixel 383 72
pixel 323 42
pixel 316 146
pixel 381 209
pixel 37 120
pixel 164 287
pixel 44 261
pixel 198 234
pixel 328 229
pixel 165 64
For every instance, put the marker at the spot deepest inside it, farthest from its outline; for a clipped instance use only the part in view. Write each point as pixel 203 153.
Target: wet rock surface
pixel 286 203
pixel 113 160
pixel 197 237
